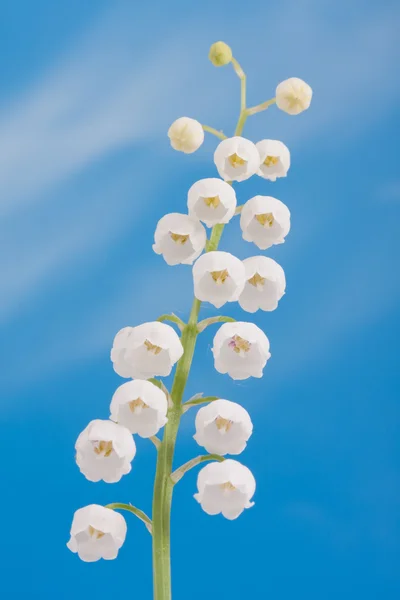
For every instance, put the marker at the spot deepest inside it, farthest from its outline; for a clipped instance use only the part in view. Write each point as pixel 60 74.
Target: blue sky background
pixel 88 91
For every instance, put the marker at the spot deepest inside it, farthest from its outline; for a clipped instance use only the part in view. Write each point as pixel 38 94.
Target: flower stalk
pixel 163 485
pixel 144 353
pixel 135 511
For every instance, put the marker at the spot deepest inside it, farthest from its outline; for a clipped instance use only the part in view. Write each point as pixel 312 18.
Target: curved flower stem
pixel 239 209
pixel 173 319
pixel 240 73
pixel 179 473
pixel 218 134
pixel 260 107
pixel 206 322
pixel 136 511
pixel 215 237
pixel 205 400
pixel 155 441
pixel 243 111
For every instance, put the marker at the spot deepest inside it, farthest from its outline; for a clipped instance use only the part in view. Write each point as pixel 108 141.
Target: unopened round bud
pixel 220 54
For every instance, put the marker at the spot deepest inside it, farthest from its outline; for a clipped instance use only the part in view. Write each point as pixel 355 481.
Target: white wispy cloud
pixel 104 95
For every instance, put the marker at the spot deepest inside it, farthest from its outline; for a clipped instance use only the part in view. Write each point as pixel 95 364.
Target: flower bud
pixel 186 135
pixel 220 54
pixel 293 96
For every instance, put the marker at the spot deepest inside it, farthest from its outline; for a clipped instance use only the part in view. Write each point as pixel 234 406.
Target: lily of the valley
pixel 236 159
pixel 218 277
pixel 274 159
pixel 146 351
pixel 265 284
pixel 97 532
pixel 241 350
pixel 104 451
pixel 179 238
pixel 186 135
pixel 293 96
pixel 212 201
pixel 225 487
pixel 140 406
pixel 223 427
pixel 265 221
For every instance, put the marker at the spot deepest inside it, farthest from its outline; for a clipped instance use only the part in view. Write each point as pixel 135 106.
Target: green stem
pixel 212 320
pixel 218 134
pixel 173 319
pixel 136 511
pixel 242 120
pixel 163 484
pixel 179 473
pixel 260 107
pixel 197 401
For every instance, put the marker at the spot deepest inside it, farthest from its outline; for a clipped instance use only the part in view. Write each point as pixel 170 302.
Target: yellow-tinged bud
pixel 220 54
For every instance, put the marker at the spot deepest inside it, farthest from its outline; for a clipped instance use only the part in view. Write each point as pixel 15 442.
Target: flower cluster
pixel 142 406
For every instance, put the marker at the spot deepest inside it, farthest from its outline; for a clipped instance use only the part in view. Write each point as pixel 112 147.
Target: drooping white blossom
pixel 240 349
pixel 265 221
pixel 145 351
pixel 225 487
pixel 265 284
pixel 179 238
pixel 274 159
pixel 293 96
pixel 97 532
pixel 223 427
pixel 218 277
pixel 236 159
pixel 140 406
pixel 104 451
pixel 186 135
pixel 212 201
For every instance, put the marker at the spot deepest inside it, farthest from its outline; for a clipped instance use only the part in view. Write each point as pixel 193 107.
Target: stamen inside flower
pixel 239 345
pixel 220 276
pixel 223 424
pixel 236 160
pixel 271 160
pixel 96 533
pixel 152 347
pixel 212 201
pixel 179 238
pixel 227 486
pixel 103 448
pixel 257 281
pixel 266 219
pixel 137 405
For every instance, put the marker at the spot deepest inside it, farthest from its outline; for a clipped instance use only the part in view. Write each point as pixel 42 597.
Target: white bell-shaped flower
pixel 218 277
pixel 186 135
pixel 97 532
pixel 223 427
pixel 179 238
pixel 236 159
pixel 212 201
pixel 140 406
pixel 241 350
pixel 225 487
pixel 145 351
pixel 104 451
pixel 293 96
pixel 265 284
pixel 265 221
pixel 274 159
